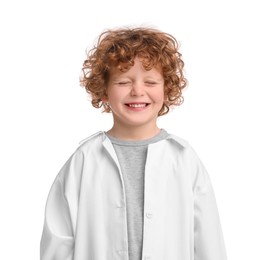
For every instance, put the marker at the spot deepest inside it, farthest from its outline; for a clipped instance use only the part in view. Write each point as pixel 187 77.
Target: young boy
pixel 133 192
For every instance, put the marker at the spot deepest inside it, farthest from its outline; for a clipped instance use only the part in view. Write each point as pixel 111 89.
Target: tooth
pixel 137 105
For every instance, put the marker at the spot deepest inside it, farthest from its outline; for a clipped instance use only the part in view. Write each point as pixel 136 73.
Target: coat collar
pixel 106 140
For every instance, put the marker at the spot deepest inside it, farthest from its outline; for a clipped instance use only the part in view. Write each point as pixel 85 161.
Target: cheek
pixel 160 96
pixel 115 96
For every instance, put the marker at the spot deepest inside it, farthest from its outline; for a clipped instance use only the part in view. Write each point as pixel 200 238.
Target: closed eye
pixel 151 82
pixel 124 83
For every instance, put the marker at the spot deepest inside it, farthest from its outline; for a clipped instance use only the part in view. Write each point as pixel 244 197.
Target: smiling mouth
pixel 137 105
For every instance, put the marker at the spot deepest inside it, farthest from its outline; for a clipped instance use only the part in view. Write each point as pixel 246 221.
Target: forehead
pixel 137 66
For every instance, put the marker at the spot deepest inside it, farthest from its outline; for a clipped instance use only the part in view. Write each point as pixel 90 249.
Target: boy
pixel 134 192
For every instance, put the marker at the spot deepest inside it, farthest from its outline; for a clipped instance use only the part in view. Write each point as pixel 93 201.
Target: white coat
pixel 86 209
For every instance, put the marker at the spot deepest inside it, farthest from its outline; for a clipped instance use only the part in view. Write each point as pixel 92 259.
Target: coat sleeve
pixel 208 237
pixel 57 241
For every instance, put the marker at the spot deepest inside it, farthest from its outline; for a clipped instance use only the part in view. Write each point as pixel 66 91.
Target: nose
pixel 137 89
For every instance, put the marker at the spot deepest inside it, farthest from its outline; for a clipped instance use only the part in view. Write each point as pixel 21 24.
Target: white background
pixel 45 113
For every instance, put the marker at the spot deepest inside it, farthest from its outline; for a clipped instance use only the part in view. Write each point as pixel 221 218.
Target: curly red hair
pixel 119 47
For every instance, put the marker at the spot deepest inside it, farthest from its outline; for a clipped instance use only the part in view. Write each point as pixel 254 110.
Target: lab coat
pixel 85 216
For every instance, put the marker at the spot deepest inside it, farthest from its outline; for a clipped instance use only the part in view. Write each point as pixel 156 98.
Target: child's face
pixel 135 96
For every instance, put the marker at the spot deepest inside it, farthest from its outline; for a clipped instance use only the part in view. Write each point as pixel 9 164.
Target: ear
pixel 165 97
pixel 105 98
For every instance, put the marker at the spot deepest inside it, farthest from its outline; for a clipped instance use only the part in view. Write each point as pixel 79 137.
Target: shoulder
pixel 189 158
pixel 92 140
pixel 85 149
pixel 183 147
pixel 85 146
pixel 178 140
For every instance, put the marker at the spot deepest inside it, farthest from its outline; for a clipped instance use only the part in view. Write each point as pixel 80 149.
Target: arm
pixel 208 237
pixel 57 242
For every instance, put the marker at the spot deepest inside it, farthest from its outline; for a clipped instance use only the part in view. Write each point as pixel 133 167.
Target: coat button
pixel 149 216
pixel 122 252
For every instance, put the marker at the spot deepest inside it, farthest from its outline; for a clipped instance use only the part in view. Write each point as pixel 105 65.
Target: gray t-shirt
pixel 132 158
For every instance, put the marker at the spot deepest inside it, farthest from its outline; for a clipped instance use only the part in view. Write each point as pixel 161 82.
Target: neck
pixel 133 133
